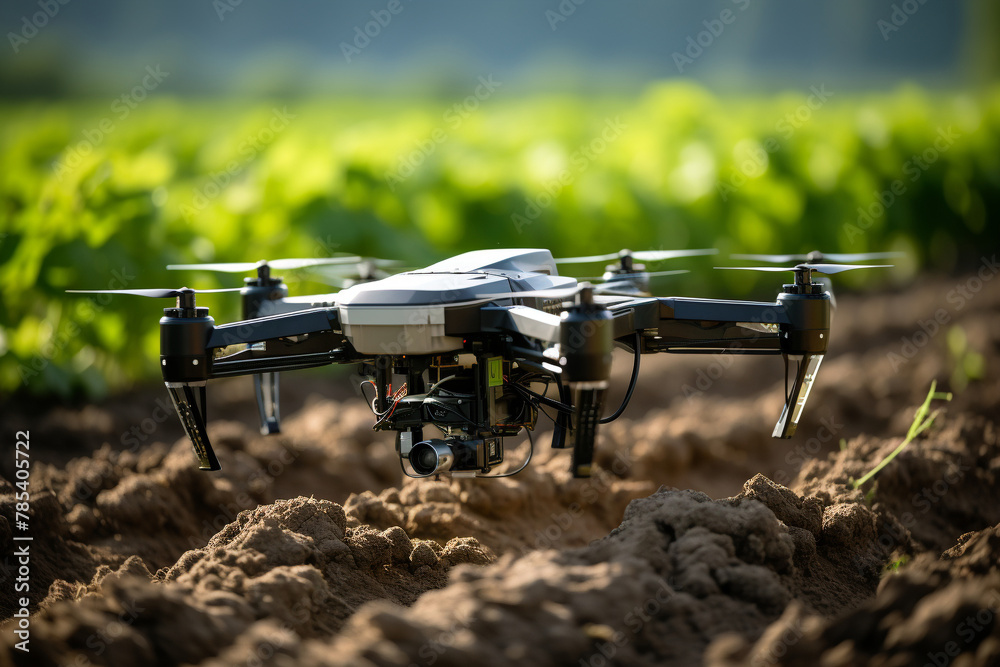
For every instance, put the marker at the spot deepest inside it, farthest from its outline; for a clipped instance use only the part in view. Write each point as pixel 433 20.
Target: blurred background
pixel 137 135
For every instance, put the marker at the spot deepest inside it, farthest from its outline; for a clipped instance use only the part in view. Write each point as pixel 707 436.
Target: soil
pixel 699 538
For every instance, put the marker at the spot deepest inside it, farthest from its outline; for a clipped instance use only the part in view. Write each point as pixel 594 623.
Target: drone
pixel 467 352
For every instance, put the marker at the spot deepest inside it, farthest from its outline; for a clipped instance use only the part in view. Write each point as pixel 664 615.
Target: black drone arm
pixel 194 350
pixel 576 346
pixel 797 326
pixel 703 326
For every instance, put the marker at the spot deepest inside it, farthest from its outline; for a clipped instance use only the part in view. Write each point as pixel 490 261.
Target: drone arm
pixel 193 350
pixel 703 326
pixel 274 326
pixel 796 326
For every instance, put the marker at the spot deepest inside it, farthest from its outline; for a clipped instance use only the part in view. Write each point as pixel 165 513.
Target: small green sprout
pixel 921 422
pixel 893 567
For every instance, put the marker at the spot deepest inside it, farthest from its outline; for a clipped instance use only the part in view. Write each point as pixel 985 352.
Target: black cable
pixel 437 384
pixel 631 383
pixel 531 451
pixel 542 410
pixel 365 396
pixel 552 403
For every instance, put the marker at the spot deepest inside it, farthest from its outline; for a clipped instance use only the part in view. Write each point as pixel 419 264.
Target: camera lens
pixel 426 460
pixel 431 456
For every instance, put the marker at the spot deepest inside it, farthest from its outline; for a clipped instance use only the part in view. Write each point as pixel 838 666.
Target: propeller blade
pixel 771 258
pixel 227 267
pixel 862 256
pixel 283 264
pixel 586 260
pixel 333 281
pixel 831 269
pixel 658 255
pixel 755 268
pixel 277 264
pixel 828 269
pixel 654 274
pixel 641 255
pixel 153 293
pixel 352 271
pixel 835 257
pixel 628 276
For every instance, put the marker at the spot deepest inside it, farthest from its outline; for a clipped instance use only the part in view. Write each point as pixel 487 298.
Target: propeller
pixel 278 264
pixel 154 293
pixel 369 262
pixel 640 274
pixel 816 256
pixel 640 255
pixel 365 270
pixel 828 269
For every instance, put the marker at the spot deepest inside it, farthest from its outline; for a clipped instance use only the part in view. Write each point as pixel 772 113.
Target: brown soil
pixel 139 558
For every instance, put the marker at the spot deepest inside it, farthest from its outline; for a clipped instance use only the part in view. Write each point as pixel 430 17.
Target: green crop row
pixel 99 195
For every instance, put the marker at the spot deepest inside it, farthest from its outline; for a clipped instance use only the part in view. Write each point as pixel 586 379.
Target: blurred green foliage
pixel 106 194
